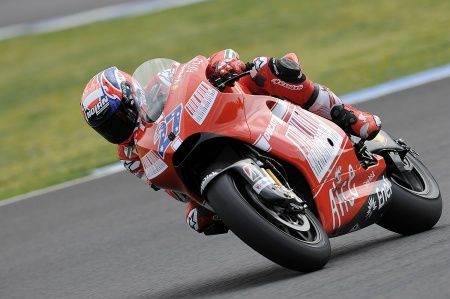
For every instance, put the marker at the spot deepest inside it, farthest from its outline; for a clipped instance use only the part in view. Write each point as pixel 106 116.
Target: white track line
pixel 396 85
pixel 91 16
pixel 95 175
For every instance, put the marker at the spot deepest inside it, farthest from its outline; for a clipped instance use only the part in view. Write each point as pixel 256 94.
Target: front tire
pixel 307 250
pixel 416 204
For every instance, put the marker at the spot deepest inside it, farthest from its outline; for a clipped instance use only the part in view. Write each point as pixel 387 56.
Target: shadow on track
pixel 262 275
pixel 367 245
pixel 223 284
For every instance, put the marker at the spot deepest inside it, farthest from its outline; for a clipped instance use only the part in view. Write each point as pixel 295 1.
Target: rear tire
pixel 262 232
pixel 416 203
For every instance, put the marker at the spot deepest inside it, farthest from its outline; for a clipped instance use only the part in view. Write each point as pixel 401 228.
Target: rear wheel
pixel 295 241
pixel 416 203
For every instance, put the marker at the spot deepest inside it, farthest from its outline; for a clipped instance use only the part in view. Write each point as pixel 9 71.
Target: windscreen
pixel 155 76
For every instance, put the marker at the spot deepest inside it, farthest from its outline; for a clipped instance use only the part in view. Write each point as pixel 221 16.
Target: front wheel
pixel 416 203
pixel 297 242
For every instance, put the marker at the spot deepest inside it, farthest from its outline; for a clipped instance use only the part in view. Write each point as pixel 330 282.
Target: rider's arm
pixel 279 77
pixel 284 78
pixel 130 159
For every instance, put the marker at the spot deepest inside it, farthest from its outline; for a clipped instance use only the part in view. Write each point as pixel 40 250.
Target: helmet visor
pixel 119 127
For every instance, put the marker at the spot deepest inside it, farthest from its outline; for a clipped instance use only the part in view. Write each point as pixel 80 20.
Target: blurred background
pixel 346 45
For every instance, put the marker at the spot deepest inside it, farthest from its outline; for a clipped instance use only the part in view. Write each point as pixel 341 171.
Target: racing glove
pixel 223 65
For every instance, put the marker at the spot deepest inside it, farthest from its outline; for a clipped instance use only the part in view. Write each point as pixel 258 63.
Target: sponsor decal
pixel 319 144
pixel 376 201
pixel 287 85
pixel 153 165
pixel 371 207
pixel 101 104
pixel 168 128
pixel 206 180
pixel 261 184
pixel 201 101
pixel 342 195
pixel 193 65
pixel 178 78
pixel 369 179
pixel 384 192
pixel 263 140
pixel 252 173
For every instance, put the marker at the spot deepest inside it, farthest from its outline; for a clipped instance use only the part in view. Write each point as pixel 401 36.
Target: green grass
pixel 346 45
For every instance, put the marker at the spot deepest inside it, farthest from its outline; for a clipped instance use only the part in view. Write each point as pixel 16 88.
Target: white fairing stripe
pixel 263 144
pixel 280 109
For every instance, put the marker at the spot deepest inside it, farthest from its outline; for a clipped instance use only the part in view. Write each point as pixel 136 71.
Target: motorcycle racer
pixel 108 106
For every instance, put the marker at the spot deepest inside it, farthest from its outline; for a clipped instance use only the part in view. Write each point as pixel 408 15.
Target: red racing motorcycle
pixel 282 179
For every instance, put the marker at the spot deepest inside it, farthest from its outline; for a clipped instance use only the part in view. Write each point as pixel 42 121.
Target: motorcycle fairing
pixel 341 187
pixel 201 109
pixel 319 149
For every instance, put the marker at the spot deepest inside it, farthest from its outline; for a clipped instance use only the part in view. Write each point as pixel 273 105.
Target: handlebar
pixel 221 83
pixel 229 82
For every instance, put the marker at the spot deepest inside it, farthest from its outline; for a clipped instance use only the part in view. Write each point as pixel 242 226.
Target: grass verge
pixel 346 45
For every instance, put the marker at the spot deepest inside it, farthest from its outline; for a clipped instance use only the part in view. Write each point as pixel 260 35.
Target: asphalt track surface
pixel 114 238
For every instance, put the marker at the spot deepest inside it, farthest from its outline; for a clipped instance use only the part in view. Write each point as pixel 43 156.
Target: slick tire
pixel 261 234
pixel 413 211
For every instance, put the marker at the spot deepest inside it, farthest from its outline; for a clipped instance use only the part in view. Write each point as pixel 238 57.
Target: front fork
pixel 265 183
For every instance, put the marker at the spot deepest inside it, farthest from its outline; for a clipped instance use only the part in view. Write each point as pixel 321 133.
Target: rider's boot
pixel 203 220
pixel 356 122
pixel 352 120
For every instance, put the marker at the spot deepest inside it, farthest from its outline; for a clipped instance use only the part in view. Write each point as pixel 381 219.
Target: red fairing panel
pixel 193 106
pixel 341 198
pixel 320 151
pixel 307 141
